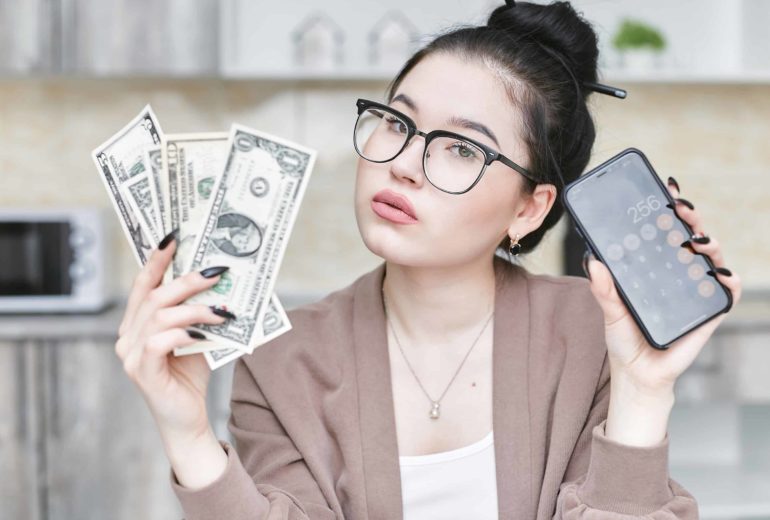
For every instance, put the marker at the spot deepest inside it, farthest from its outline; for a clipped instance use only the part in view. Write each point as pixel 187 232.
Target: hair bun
pixel 556 26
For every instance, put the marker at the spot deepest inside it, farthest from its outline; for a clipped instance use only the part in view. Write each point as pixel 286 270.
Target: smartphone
pixel 625 214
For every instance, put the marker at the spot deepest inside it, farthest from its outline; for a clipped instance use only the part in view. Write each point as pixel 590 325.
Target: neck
pixel 436 305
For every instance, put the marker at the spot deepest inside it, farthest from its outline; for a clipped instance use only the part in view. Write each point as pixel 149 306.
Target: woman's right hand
pixel 154 324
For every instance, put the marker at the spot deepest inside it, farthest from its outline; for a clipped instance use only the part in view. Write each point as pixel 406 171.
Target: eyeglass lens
pixel 451 164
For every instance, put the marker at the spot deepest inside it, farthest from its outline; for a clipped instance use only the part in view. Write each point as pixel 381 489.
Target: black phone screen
pixel 623 212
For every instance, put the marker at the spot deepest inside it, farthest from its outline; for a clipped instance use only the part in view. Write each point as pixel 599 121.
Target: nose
pixel 408 164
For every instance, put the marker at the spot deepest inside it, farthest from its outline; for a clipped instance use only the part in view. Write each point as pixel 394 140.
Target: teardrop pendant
pixel 434 410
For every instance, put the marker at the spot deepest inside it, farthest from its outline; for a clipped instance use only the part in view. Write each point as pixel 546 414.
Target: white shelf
pixel 663 76
pixel 612 77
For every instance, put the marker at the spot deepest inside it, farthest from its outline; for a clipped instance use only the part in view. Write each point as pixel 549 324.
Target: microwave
pixel 55 260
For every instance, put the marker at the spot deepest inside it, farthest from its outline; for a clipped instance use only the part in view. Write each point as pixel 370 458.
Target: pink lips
pixel 394 207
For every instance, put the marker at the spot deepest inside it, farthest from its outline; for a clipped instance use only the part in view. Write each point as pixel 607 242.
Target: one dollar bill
pixel 119 160
pixel 252 212
pixel 193 164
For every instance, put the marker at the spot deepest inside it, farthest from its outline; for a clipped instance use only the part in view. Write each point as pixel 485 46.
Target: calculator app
pixel 624 211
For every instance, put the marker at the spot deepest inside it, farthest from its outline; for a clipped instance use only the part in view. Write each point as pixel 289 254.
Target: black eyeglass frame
pixel 490 154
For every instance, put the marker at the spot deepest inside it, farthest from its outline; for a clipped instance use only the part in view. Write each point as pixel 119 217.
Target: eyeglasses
pixel 451 162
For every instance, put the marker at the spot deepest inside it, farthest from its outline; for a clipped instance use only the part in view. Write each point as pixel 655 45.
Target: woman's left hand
pixel 629 352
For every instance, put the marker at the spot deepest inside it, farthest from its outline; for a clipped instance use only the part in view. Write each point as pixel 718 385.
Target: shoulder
pixel 566 325
pixel 329 316
pixel 566 297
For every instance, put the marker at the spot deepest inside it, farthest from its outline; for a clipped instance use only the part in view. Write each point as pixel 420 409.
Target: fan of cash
pixel 233 199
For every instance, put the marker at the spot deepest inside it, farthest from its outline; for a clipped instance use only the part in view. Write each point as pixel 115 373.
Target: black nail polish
pixel 672 182
pixel 222 312
pixel 586 254
pixel 194 334
pixel 686 203
pixel 701 240
pixel 211 272
pixel 720 270
pixel 687 245
pixel 163 244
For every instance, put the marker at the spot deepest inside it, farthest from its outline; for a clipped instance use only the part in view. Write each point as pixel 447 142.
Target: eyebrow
pixel 454 120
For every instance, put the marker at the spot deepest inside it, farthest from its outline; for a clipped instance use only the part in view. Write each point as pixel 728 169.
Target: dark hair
pixel 547 52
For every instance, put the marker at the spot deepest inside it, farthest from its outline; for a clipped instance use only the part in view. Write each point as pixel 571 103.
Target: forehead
pixel 444 85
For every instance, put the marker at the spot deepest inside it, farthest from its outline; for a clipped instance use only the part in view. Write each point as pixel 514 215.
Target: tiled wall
pixel 712 138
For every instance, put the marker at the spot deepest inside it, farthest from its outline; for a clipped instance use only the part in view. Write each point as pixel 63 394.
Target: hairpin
pixel 605 89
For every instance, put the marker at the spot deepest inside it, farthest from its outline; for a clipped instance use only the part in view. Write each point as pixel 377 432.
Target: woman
pixel 362 409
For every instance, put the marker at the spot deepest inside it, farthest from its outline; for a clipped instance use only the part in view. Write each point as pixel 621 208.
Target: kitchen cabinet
pixel 77 439
pixel 27 37
pixel 303 39
pixel 104 458
pixel 18 463
pixel 339 40
pixel 139 37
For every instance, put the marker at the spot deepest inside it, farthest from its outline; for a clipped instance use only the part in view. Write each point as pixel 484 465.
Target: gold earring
pixel 515 247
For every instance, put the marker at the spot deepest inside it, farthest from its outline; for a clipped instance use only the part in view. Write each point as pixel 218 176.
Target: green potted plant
pixel 639 44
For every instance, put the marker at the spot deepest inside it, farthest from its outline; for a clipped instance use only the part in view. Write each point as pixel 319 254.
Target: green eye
pixel 464 151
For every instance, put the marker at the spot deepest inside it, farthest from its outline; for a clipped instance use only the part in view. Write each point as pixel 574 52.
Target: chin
pixel 385 243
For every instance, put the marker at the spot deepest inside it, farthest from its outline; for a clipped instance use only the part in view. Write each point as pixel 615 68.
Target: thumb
pixel 603 289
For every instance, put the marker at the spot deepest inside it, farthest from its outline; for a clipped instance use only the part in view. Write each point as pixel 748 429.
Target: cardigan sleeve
pixel 266 478
pixel 607 480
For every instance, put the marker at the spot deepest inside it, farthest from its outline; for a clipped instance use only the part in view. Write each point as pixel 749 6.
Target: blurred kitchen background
pixel 76 441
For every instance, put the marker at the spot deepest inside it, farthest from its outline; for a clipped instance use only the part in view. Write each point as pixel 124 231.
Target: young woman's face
pixel 450 229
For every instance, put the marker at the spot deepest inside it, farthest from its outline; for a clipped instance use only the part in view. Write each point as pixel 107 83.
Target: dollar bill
pixel 137 192
pixel 275 323
pixel 157 183
pixel 120 159
pixel 252 212
pixel 154 162
pixel 193 163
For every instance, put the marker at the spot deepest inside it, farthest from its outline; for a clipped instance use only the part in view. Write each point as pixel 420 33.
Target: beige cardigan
pixel 314 424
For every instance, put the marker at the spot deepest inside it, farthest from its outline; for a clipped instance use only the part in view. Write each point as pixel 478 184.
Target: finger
pixel 151 361
pixel 149 277
pixel 182 316
pixel 603 288
pixel 712 249
pixel 180 289
pixel 691 216
pixel 673 187
pixel 733 284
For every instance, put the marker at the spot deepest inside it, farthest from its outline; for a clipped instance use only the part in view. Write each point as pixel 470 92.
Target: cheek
pixel 362 184
pixel 480 216
pixel 367 183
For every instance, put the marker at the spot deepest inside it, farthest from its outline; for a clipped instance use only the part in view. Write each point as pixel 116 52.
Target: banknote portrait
pixel 237 235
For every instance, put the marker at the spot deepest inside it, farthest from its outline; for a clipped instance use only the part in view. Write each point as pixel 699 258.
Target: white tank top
pixel 455 484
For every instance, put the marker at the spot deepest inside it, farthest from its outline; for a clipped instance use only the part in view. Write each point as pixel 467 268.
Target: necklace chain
pixel 435 405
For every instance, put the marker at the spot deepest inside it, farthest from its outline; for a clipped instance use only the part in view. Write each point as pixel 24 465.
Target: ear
pixel 534 209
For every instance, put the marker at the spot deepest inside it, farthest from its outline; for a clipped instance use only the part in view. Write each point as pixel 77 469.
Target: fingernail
pixel 163 244
pixel 686 203
pixel 672 182
pixel 211 272
pixel 721 270
pixel 586 255
pixel 701 240
pixel 194 334
pixel 222 312
pixel 686 244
